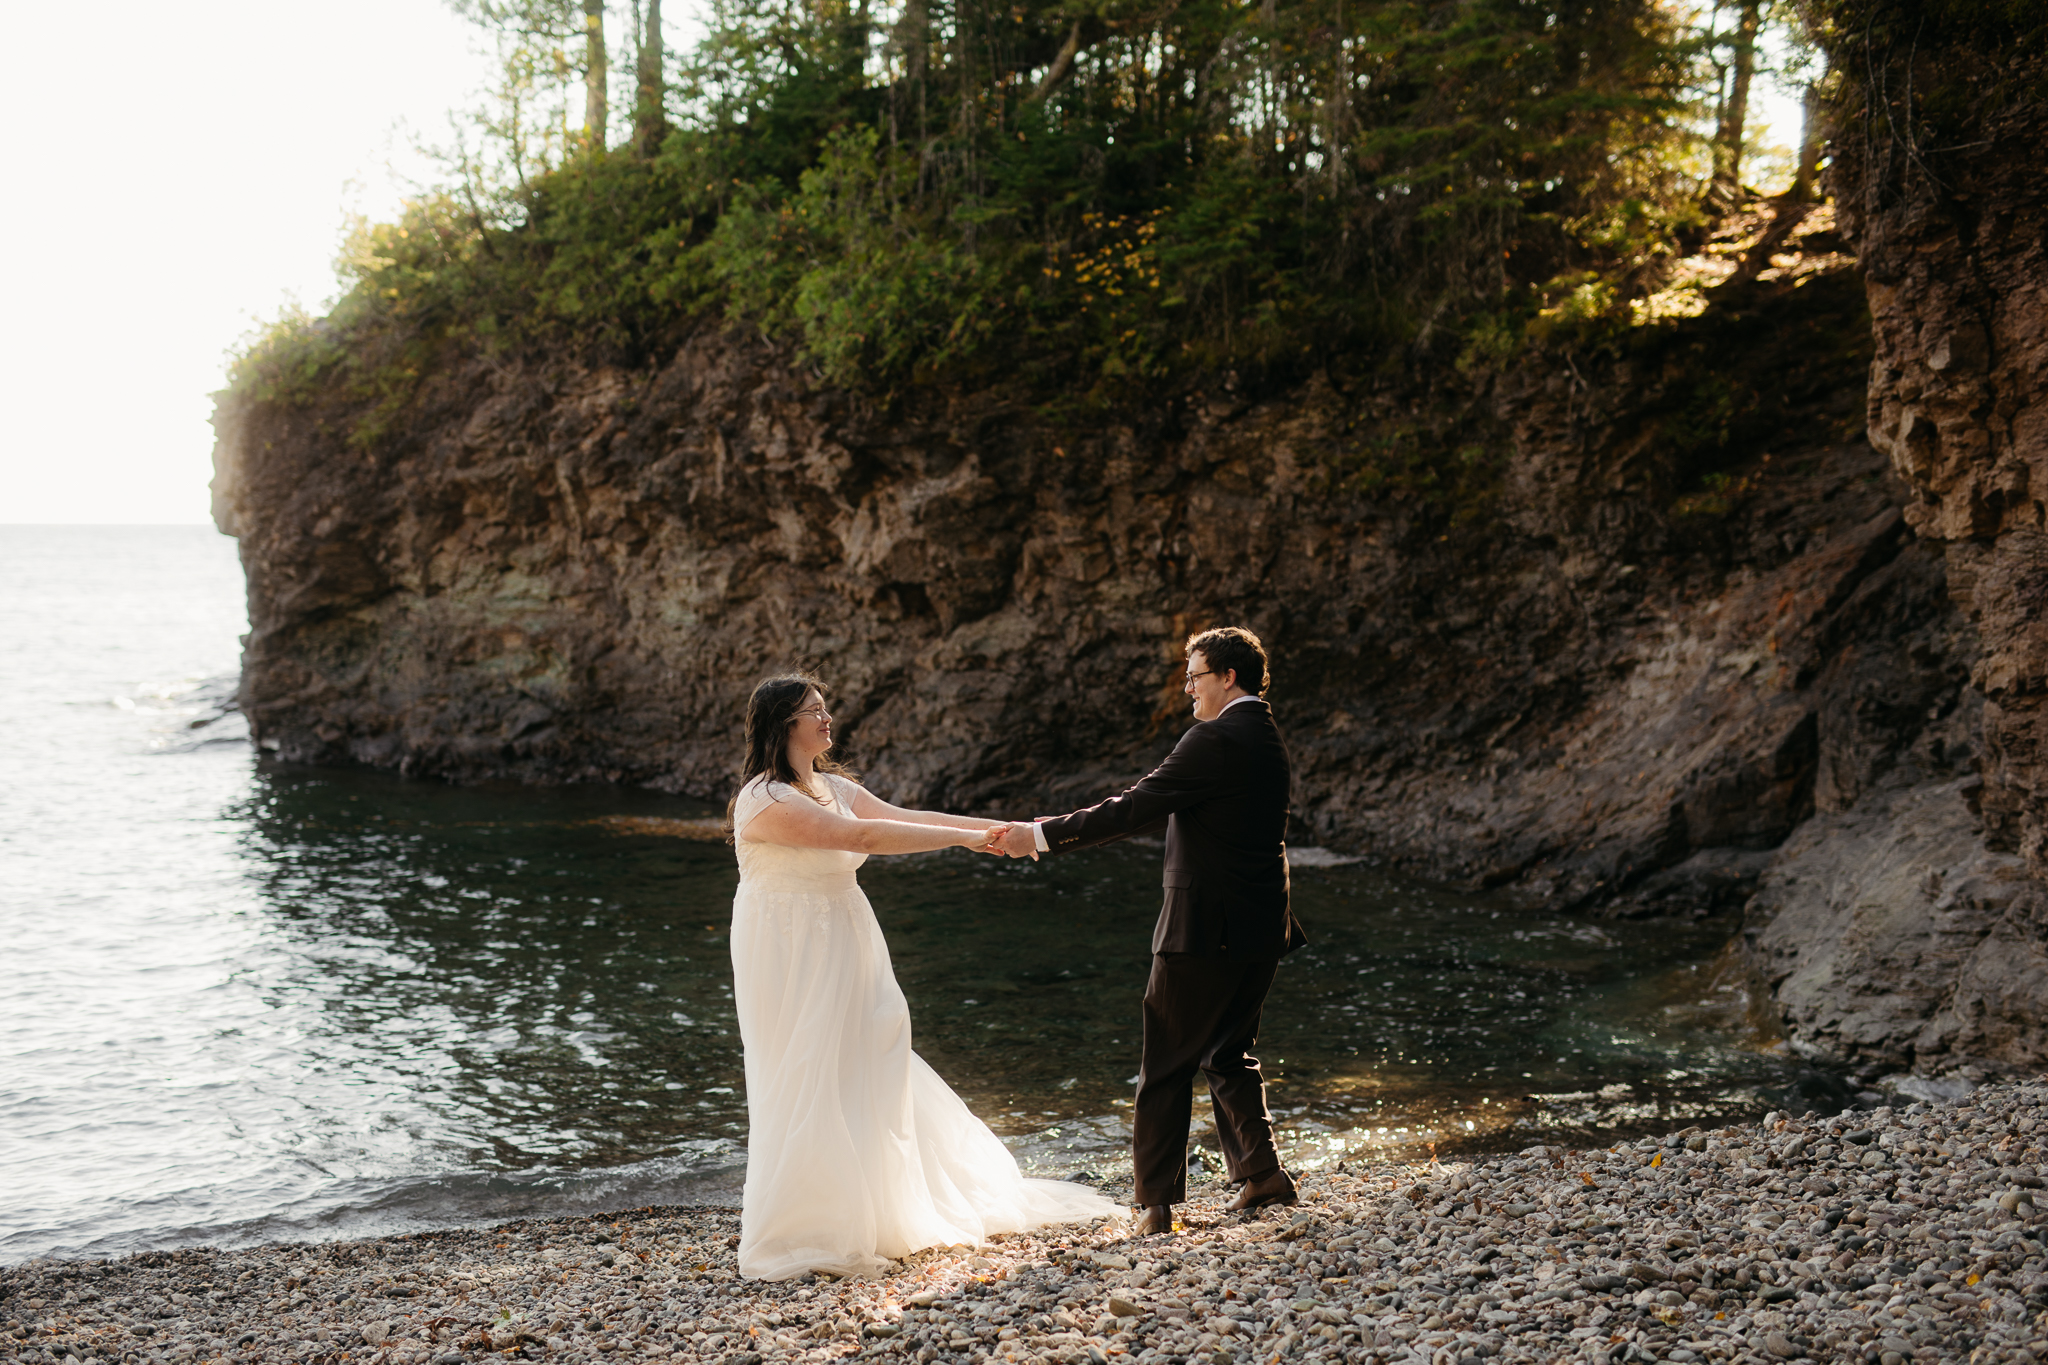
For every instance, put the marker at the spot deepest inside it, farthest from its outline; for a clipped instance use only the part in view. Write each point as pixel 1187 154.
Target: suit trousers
pixel 1201 1013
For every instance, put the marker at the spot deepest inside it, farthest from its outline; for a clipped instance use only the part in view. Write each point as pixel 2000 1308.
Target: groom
pixel 1222 797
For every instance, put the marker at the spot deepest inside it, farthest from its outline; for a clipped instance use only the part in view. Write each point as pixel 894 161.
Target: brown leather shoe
pixel 1276 1187
pixel 1154 1219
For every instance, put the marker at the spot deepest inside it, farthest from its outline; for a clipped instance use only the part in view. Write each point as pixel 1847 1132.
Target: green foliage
pixel 385 332
pixel 846 265
pixel 286 359
pixel 1453 476
pixel 1719 493
pixel 1766 369
pixel 924 193
pixel 1917 79
pixel 597 262
pixel 1933 24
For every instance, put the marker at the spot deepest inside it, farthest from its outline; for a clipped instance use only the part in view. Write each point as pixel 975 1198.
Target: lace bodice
pixel 782 867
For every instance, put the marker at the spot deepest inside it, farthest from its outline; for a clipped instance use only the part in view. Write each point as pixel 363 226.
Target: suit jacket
pixel 1221 796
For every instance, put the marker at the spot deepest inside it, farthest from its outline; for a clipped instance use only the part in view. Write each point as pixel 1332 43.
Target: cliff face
pixel 1562 677
pixel 1916 926
pixel 1957 255
pixel 577 575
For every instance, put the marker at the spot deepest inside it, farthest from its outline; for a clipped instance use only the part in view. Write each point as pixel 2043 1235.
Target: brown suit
pixel 1221 797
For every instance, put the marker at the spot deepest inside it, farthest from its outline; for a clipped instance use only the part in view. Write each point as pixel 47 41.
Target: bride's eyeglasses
pixel 811 713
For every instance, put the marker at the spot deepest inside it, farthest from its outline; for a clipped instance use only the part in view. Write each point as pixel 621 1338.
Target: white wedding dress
pixel 857 1152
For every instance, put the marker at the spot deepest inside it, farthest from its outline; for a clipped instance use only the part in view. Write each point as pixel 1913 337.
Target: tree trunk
pixel 912 38
pixel 650 124
pixel 1062 65
pixel 1809 143
pixel 1728 139
pixel 596 110
pixel 1339 97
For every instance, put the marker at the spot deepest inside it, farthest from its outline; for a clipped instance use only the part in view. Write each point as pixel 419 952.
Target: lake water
pixel 247 1001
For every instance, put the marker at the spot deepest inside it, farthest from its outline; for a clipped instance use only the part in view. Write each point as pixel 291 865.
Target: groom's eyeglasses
pixel 1207 672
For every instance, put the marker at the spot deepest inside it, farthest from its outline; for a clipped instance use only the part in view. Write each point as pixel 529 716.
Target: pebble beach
pixel 1883 1235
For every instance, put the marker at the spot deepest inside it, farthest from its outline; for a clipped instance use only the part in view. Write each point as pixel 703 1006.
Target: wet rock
pixel 1710 881
pixel 1891 937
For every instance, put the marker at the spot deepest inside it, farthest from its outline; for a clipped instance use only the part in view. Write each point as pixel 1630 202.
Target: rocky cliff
pixel 566 574
pixel 1664 612
pixel 1956 244
pixel 1916 925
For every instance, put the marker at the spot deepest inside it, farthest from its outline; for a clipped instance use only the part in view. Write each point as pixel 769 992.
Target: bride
pixel 857 1152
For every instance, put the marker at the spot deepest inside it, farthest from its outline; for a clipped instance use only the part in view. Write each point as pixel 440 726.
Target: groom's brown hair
pixel 1233 647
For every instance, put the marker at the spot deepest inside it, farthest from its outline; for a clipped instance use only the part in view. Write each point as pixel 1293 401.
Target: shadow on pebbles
pixel 1877 1236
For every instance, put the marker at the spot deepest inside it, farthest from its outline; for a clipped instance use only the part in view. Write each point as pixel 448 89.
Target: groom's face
pixel 1208 690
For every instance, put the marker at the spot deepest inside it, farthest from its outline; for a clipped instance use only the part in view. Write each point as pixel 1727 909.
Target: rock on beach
pixel 1906 1234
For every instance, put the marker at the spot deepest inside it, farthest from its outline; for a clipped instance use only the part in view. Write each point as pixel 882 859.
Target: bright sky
pixel 192 174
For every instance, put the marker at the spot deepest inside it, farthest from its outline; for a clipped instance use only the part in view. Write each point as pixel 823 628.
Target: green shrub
pixel 1216 187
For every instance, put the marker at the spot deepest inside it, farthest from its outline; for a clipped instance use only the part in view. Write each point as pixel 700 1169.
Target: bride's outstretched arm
pixel 869 806
pixel 799 822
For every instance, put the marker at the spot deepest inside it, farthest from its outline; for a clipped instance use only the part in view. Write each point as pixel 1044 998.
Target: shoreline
pixel 1893 1235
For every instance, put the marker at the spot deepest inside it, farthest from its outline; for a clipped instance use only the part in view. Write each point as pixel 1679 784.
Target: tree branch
pixel 1062 65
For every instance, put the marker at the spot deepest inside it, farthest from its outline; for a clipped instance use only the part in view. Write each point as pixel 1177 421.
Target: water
pixel 247 1001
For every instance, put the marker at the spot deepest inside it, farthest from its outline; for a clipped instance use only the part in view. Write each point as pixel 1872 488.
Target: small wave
pixel 193 715
pixel 1097 1148
pixel 710 1172
pixel 1319 857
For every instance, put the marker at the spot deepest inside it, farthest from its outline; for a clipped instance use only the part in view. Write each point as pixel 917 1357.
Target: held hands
pixel 1018 840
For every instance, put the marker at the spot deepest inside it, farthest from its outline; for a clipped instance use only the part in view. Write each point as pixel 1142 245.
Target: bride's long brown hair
pixel 770 712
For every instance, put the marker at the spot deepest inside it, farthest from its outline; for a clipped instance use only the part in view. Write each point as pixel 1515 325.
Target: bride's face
pixel 810 731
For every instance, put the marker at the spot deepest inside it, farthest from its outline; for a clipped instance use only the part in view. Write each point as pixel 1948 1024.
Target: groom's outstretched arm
pixel 1194 772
